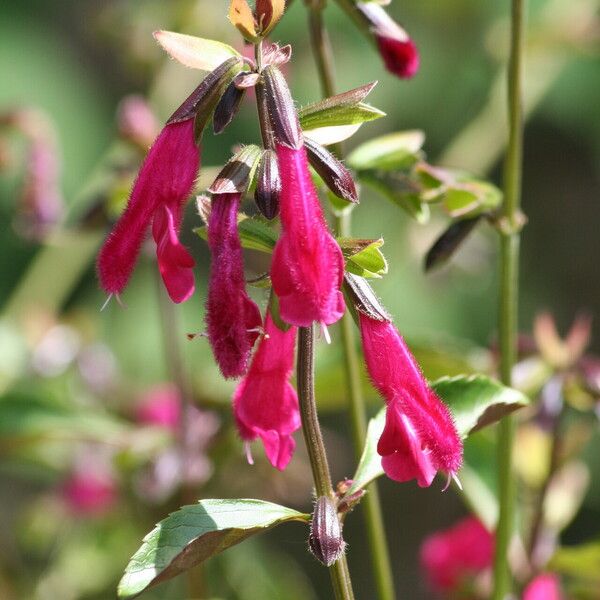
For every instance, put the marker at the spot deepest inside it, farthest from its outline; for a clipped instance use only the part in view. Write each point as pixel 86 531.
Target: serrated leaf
pixel 475 401
pixel 368 261
pixel 339 115
pixel 194 533
pixel 241 16
pixel 392 151
pixel 332 135
pixel 255 234
pixel 194 52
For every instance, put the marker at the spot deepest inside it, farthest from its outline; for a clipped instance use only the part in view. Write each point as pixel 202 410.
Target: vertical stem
pixel 372 513
pixel 177 374
pixel 340 576
pixel 508 315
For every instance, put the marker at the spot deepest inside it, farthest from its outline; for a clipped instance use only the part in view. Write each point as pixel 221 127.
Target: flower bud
pixel 449 242
pixel 235 175
pixel 268 185
pixel 227 107
pixel 332 171
pixel 281 108
pixel 325 540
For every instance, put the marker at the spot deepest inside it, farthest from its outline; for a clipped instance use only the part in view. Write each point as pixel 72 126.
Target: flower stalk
pixel 373 516
pixel 340 576
pixel 508 314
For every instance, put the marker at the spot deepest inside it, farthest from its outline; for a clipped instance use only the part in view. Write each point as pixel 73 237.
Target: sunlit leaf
pixel 368 261
pixel 194 533
pixel 339 115
pixel 255 234
pixel 240 15
pixel 194 52
pixel 332 135
pixel 392 151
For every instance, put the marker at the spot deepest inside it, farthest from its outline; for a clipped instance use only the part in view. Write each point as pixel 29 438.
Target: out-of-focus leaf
pixel 449 242
pixel 392 151
pixel 255 234
pixel 367 261
pixel 29 417
pixel 194 52
pixel 565 494
pixel 194 533
pixel 581 562
pixel 477 401
pixel 400 189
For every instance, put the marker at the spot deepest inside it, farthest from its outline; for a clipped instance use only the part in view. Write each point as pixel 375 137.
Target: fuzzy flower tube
pixel 308 267
pixel 159 193
pixel 233 319
pixel 265 404
pixel 419 437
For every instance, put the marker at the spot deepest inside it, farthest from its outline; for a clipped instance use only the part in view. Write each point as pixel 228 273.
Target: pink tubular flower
pixel 419 437
pixel 398 51
pixel 164 183
pixel 89 493
pixel 544 587
pixel 452 557
pixel 265 404
pixel 233 319
pixel 308 266
pixel 160 406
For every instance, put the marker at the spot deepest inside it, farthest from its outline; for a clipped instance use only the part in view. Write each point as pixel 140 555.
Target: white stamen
pixel 326 333
pixel 258 330
pixel 193 336
pixel 457 481
pixel 120 302
pixel 106 302
pixel 448 482
pixel 248 452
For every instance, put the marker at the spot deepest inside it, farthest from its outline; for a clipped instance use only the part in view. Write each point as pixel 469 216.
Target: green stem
pixel 508 314
pixel 372 513
pixel 340 576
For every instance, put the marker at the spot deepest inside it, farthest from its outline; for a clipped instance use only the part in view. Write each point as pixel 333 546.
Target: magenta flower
pixel 160 406
pixel 452 558
pixel 398 51
pixel 265 404
pixel 89 492
pixel 159 193
pixel 544 587
pixel 233 319
pixel 308 266
pixel 419 437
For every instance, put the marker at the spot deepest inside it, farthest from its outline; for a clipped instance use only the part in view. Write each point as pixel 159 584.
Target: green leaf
pixel 393 151
pixel 400 189
pixel 194 52
pixel 254 232
pixel 338 115
pixel 582 562
pixel 477 401
pixel 194 533
pixel 366 261
pixel 333 134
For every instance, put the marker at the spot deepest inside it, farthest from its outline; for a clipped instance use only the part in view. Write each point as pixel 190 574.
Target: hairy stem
pixel 340 576
pixel 508 314
pixel 372 513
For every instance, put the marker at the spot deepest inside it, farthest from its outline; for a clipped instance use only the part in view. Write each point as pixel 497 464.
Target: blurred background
pixel 89 406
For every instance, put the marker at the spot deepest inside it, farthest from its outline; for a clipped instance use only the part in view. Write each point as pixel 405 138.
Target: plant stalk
pixel 509 282
pixel 372 513
pixel 340 576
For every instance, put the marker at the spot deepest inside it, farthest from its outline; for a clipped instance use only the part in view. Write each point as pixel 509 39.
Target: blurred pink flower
pixel 136 121
pixel 454 556
pixel 159 193
pixel 419 437
pixel 89 492
pixel 308 266
pixel 265 404
pixel 544 587
pixel 160 406
pixel 233 319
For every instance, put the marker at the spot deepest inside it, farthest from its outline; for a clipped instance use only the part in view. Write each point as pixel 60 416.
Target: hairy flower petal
pixel 165 178
pixel 265 404
pixel 308 266
pixel 419 429
pixel 233 319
